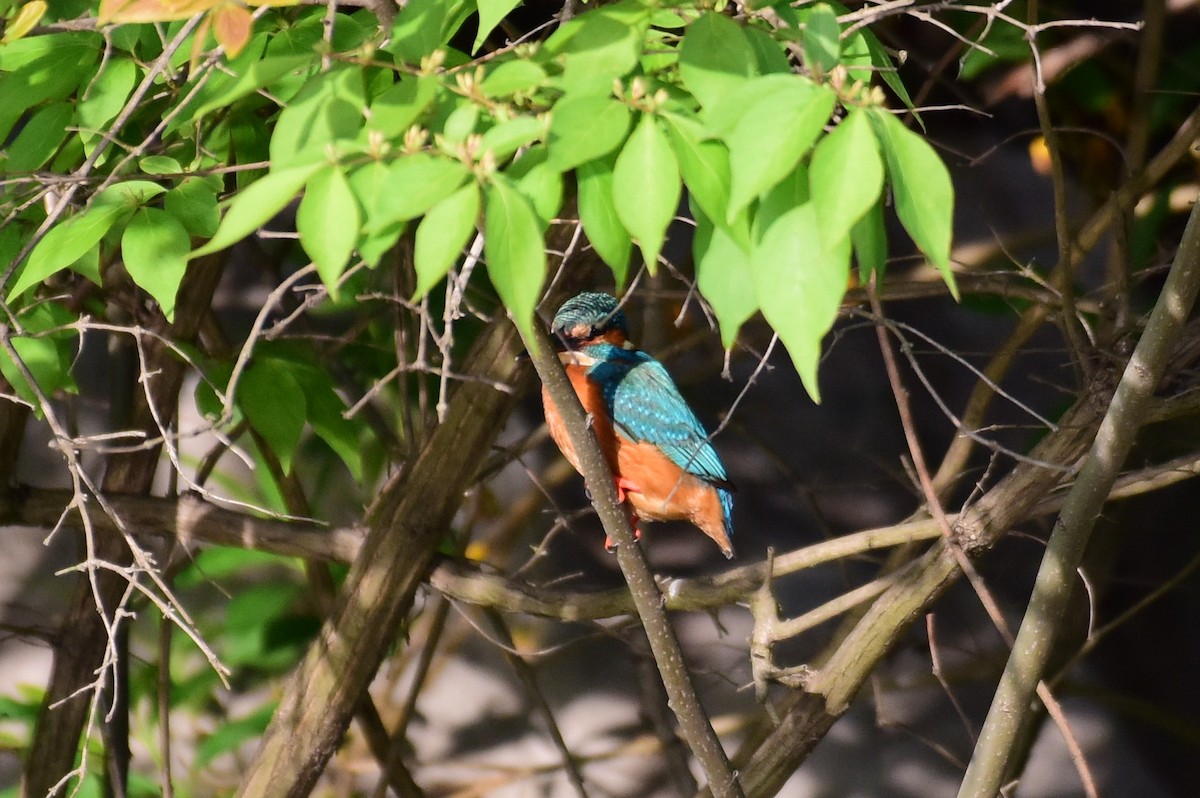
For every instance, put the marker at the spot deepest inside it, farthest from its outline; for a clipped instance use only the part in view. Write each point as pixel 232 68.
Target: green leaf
pixel 773 135
pixel 329 108
pixel 328 223
pixel 398 107
pixel 846 175
pixel 585 127
pixel 598 213
pixel 442 235
pixel 856 56
pixel 887 70
pixel 40 138
pixel 723 274
pixel 343 435
pixel 599 46
pixel 131 193
pixel 250 71
pixel 159 165
pixel 422 26
pixel 541 183
pixel 822 49
pixel 646 178
pixel 194 203
pixel 274 404
pixel 922 190
pixel 771 53
pixel 511 135
pixel 18 55
pixel 715 59
pixel 48 356
pixel 869 237
pixel 513 77
pixel 799 279
pixel 230 735
pixel 721 118
pixel 66 243
pixel 491 13
pixel 411 186
pixel 516 255
pixel 460 123
pixel 705 169
pixel 104 99
pixel 254 206
pixel 154 247
pixel 42 73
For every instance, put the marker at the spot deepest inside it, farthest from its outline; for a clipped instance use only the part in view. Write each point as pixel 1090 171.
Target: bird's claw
pixel 611 547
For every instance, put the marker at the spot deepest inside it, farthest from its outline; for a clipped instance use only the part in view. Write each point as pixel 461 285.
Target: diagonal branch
pixel 693 720
pixel 1072 531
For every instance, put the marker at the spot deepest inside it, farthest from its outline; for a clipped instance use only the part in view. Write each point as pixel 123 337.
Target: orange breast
pixel 592 400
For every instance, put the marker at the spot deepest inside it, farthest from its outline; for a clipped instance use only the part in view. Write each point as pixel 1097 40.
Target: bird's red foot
pixel 624 486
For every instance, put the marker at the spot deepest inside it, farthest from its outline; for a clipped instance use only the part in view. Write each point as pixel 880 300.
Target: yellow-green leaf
pixel 646 187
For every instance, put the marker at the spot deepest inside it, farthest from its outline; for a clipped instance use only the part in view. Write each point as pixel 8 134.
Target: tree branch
pixel 693 720
pixel 1056 577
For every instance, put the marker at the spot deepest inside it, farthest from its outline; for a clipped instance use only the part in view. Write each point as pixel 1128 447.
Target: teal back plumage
pixel 645 405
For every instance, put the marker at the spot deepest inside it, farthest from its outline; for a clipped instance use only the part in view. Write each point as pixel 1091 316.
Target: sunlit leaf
pixel 105 98
pixel 27 18
pixel 773 135
pixel 507 137
pixel 254 206
pixel 511 77
pixel 598 46
pixel 822 49
pixel 799 278
pixel 66 243
pixel 646 187
pixel 411 186
pixel 705 169
pixel 516 255
pixel 586 127
pixel 491 12
pixel 846 175
pixel 329 108
pixel 540 182
pixel 715 58
pixel 194 203
pixel 152 10
pixel 397 108
pixel 922 190
pixel 40 138
pixel 442 235
pixel 598 213
pixel 328 222
pixel 723 274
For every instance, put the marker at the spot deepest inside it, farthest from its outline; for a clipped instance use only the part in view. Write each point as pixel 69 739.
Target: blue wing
pixel 646 406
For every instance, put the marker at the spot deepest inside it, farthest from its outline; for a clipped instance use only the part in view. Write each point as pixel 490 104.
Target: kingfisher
pixel 665 467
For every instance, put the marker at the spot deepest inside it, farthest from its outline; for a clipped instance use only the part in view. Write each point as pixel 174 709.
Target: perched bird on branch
pixel 665 467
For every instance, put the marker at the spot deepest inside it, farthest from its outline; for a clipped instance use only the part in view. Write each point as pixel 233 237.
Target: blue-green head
pixel 589 318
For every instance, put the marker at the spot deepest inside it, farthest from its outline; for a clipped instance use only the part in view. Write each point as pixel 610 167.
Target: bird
pixel 664 464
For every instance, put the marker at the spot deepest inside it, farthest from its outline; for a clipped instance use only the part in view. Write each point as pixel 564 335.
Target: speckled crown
pixel 592 310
